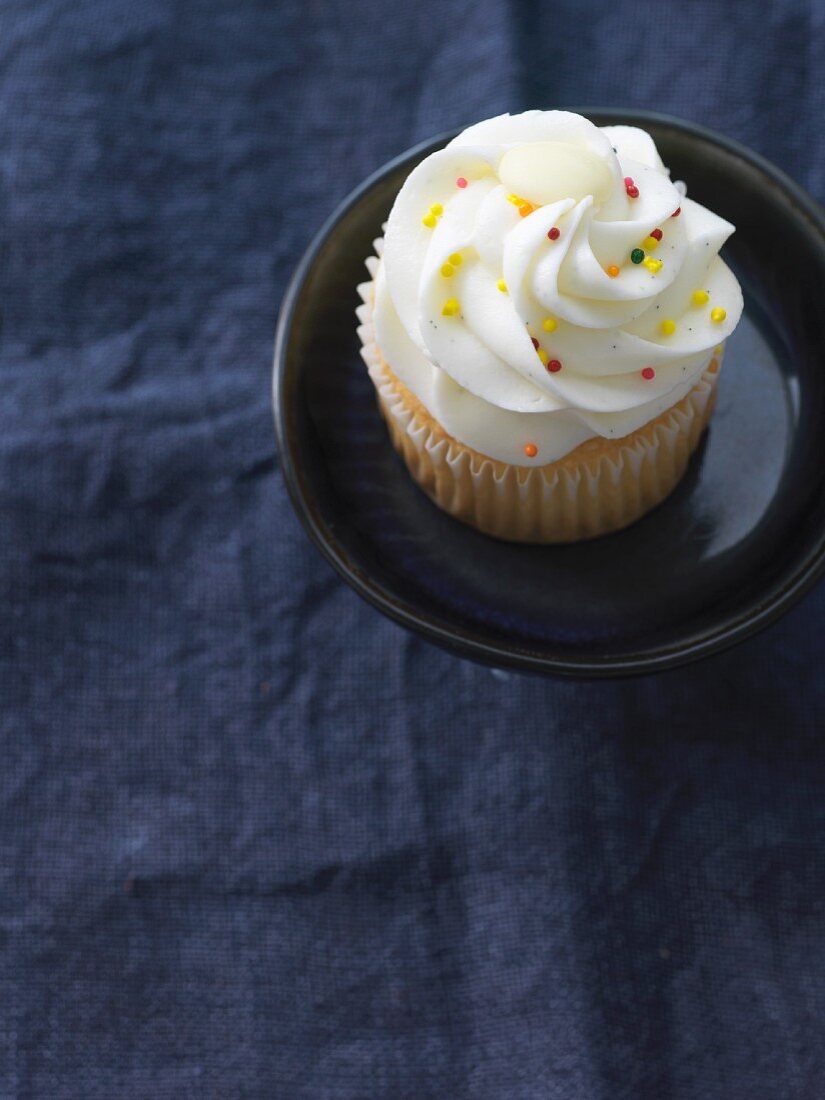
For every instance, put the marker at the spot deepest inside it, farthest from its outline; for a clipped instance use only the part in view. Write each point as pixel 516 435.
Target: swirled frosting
pixel 543 281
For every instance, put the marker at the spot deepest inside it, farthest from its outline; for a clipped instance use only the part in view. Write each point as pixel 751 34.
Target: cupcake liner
pixel 600 486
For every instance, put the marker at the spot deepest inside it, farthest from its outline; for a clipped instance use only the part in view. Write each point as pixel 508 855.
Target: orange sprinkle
pixel 526 208
pixel 612 271
pixel 531 450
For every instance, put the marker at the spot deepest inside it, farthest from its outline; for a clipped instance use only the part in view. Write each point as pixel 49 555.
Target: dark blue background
pixel 255 840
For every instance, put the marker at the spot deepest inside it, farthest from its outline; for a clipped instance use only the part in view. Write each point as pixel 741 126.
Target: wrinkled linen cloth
pixel 256 840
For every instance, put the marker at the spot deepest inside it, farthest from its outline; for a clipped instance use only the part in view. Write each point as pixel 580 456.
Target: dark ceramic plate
pixel 739 541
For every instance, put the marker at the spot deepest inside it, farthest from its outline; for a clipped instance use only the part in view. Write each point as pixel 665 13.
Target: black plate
pixel 739 541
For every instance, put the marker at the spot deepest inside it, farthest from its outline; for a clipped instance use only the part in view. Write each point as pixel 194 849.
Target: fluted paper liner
pixel 600 486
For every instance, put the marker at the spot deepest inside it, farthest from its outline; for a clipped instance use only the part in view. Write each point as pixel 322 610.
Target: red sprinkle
pixel 461 182
pixel 676 212
pixel 656 234
pixel 633 192
pixel 535 342
pixel 553 366
pixel 628 181
pixel 554 233
pixel 648 373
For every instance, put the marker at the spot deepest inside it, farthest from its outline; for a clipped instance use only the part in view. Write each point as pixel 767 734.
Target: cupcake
pixel 544 326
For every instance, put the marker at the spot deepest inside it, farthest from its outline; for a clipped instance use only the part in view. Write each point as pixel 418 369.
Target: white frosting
pixel 477 370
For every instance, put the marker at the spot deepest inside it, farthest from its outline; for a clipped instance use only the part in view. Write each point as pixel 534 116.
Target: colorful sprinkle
pixel 648 373
pixel 718 315
pixel 515 200
pixel 542 354
pixel 549 324
pixel 534 342
pixel 656 234
pixel 633 192
pixel 676 212
pixel 526 208
pixel 628 181
pixel 531 450
pixel 717 350
pixel 447 270
pixel 667 327
pixel 461 182
pixel 432 215
pixel 455 258
pixel 554 366
pixel 650 243
pixel 612 271
pixel 554 233
pixel 637 255
pixel 653 265
pixel 502 286
pixel 699 297
pixel 450 307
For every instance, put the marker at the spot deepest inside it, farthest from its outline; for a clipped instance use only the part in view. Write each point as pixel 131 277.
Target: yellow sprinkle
pixel 542 354
pixel 450 307
pixel 549 324
pixel 667 327
pixel 502 286
pixel 437 209
pixel 455 259
pixel 717 350
pixel 447 270
pixel 429 220
pixel 699 297
pixel 514 199
pixel 718 315
pixel 650 244
pixel 652 265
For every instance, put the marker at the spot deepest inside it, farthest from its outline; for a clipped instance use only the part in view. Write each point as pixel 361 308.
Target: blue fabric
pixel 255 840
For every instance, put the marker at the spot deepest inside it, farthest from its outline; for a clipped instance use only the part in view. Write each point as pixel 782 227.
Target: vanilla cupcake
pixel 544 325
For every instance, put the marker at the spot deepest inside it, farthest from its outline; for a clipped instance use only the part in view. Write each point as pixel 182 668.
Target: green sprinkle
pixel 637 255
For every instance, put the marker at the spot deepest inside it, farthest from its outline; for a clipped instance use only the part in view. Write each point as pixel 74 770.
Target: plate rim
pixel 453 638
